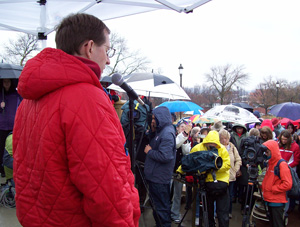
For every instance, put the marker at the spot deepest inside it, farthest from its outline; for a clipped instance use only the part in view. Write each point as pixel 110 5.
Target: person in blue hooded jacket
pixel 159 164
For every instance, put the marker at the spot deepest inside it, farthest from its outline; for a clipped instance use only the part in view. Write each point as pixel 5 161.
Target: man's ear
pixel 87 49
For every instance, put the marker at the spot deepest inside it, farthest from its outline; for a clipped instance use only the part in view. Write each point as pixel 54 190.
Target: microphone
pixel 118 80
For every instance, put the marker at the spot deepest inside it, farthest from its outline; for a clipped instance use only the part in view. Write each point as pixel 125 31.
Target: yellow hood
pixel 212 137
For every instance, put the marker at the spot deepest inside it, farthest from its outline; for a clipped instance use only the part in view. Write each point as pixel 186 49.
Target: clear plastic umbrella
pixel 231 113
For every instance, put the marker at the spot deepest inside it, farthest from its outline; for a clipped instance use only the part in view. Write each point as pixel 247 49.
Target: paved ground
pixel 8 217
pixel 147 219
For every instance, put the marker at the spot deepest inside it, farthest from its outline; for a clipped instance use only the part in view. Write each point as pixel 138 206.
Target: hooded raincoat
pixel 236 139
pixel 160 160
pixel 223 173
pixel 274 189
pixel 70 165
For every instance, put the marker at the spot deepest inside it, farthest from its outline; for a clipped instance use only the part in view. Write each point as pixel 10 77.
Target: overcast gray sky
pixel 262 35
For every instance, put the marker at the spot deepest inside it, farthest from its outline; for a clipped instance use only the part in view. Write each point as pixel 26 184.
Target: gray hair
pixel 225 133
pixel 254 132
pixel 195 130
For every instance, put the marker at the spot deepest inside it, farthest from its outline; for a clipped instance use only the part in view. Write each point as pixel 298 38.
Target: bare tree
pixel 289 92
pixel 265 95
pixel 222 79
pixel 125 61
pixel 262 97
pixel 20 50
pixel 209 97
pixel 203 96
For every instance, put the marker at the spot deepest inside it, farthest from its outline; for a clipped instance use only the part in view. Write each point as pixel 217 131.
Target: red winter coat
pixel 274 189
pixel 292 155
pixel 70 166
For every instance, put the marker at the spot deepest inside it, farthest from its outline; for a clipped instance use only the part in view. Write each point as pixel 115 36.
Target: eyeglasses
pixel 110 52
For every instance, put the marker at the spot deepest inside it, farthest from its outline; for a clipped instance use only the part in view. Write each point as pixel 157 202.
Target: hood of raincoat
pixel 162 116
pixel 212 137
pixel 272 145
pixel 239 125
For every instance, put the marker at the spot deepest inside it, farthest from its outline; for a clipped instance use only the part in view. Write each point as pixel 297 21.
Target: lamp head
pixel 180 68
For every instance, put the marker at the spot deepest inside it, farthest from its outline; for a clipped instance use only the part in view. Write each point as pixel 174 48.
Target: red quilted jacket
pixel 70 166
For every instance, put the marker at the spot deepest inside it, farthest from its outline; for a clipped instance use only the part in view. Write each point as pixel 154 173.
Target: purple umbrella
pixel 289 110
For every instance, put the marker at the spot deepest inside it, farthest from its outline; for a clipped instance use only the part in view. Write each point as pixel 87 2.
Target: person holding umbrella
pixel 10 99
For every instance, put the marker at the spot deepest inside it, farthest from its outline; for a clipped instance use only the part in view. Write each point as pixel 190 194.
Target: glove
pixel 189 179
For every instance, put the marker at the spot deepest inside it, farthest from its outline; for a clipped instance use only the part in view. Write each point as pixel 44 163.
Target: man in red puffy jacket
pixel 70 165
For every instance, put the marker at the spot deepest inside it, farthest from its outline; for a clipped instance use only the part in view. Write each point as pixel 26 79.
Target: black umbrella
pixel 9 71
pixel 155 85
pixel 244 106
pixel 106 79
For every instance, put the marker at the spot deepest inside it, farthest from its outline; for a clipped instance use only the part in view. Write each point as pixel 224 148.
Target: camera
pixel 253 151
pixel 201 161
pixel 253 155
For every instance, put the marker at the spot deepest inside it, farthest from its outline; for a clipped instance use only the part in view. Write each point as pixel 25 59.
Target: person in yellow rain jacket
pixel 216 191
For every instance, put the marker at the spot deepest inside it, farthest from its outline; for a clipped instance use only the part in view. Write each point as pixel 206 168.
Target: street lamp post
pixel 180 68
pixel 277 88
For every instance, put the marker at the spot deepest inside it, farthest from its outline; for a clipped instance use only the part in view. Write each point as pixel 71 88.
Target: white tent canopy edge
pixel 40 17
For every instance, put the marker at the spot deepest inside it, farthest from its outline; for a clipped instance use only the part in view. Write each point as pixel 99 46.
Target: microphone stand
pixel 130 145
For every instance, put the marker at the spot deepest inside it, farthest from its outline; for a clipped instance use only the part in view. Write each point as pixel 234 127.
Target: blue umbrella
pixel 193 112
pixel 181 106
pixel 289 110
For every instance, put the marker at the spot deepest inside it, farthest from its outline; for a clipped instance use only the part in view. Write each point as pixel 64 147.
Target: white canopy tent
pixel 39 17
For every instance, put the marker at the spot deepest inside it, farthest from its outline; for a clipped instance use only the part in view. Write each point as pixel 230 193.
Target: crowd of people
pixel 232 178
pixel 63 178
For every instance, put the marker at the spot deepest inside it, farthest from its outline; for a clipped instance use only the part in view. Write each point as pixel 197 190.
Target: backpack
pixel 140 116
pixel 294 193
